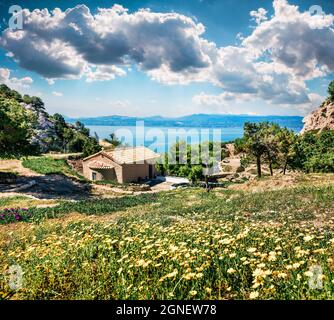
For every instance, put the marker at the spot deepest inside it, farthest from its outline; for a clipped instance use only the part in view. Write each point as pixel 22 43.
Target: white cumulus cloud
pixel 259 15
pixel 104 73
pixel 299 41
pixel 13 82
pixel 57 94
pixel 272 63
pixel 66 44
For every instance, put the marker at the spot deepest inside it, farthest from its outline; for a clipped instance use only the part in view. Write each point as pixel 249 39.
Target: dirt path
pixel 16 166
pixel 233 162
pixel 46 187
pixel 40 186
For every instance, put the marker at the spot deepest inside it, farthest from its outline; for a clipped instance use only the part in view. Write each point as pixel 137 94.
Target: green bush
pixel 314 152
pixel 240 169
pixel 189 160
pixel 320 163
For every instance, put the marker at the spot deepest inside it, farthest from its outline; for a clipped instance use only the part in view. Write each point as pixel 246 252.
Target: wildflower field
pixel 183 244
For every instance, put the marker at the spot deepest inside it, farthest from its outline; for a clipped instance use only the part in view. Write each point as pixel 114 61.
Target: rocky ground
pixel 320 119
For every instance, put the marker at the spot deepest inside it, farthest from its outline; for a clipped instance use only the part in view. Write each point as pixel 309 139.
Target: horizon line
pixel 188 115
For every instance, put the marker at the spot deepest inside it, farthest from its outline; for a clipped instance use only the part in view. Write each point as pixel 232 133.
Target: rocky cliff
pixel 321 118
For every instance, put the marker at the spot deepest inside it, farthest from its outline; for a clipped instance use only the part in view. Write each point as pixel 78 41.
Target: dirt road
pixel 41 186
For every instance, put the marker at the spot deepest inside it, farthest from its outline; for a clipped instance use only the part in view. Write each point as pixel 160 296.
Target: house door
pixel 150 171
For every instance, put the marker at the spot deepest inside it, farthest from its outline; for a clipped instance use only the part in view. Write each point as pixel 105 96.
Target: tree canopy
pixel 26 128
pixel 192 161
pixel 331 91
pixel 281 148
pixel 113 140
pixel 15 130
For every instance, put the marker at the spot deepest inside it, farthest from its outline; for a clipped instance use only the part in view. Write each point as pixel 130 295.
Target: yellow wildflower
pixel 253 295
pixel 308 274
pixel 209 290
pixel 231 270
pixel 193 293
pixel 308 238
pixel 282 275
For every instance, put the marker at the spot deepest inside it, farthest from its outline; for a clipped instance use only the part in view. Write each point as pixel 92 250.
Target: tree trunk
pixel 258 163
pixel 206 183
pixel 271 168
pixel 285 166
pixel 270 164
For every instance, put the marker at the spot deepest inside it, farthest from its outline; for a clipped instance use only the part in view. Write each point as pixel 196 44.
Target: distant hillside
pixel 195 120
pixel 320 119
pixel 26 128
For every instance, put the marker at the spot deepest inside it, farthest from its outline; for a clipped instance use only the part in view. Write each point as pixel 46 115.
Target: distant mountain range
pixel 195 120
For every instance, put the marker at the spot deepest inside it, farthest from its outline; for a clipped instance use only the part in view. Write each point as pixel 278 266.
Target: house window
pixel 150 171
pixel 94 176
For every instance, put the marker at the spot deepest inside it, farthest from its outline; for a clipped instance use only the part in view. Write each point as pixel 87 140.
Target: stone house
pixel 123 165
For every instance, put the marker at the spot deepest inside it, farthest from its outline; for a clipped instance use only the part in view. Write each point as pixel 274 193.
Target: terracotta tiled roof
pixel 99 165
pixel 132 155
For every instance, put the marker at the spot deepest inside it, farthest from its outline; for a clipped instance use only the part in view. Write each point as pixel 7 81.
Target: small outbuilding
pixel 123 165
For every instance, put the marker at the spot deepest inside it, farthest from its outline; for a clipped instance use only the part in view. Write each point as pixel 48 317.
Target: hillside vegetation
pixel 27 129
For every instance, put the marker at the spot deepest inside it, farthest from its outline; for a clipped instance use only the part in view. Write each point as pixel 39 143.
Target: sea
pixel 160 138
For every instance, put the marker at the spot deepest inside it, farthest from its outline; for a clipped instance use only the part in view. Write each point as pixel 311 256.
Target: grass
pixel 22 202
pixel 183 244
pixel 13 201
pixel 49 165
pixel 91 207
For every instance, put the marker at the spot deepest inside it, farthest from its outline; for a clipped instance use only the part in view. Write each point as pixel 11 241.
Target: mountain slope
pixel 321 118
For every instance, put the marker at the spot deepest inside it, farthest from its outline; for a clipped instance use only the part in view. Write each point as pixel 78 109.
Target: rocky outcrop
pixel 44 131
pixel 320 119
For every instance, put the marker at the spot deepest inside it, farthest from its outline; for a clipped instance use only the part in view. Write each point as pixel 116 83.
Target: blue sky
pixel 177 58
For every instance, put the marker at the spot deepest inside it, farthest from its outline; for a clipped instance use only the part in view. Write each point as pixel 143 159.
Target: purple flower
pixel 9 215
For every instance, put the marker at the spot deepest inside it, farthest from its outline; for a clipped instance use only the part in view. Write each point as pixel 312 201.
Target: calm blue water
pixel 160 139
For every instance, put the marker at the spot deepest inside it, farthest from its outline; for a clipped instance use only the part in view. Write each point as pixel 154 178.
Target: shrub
pixel 314 152
pixel 240 169
pixel 320 163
